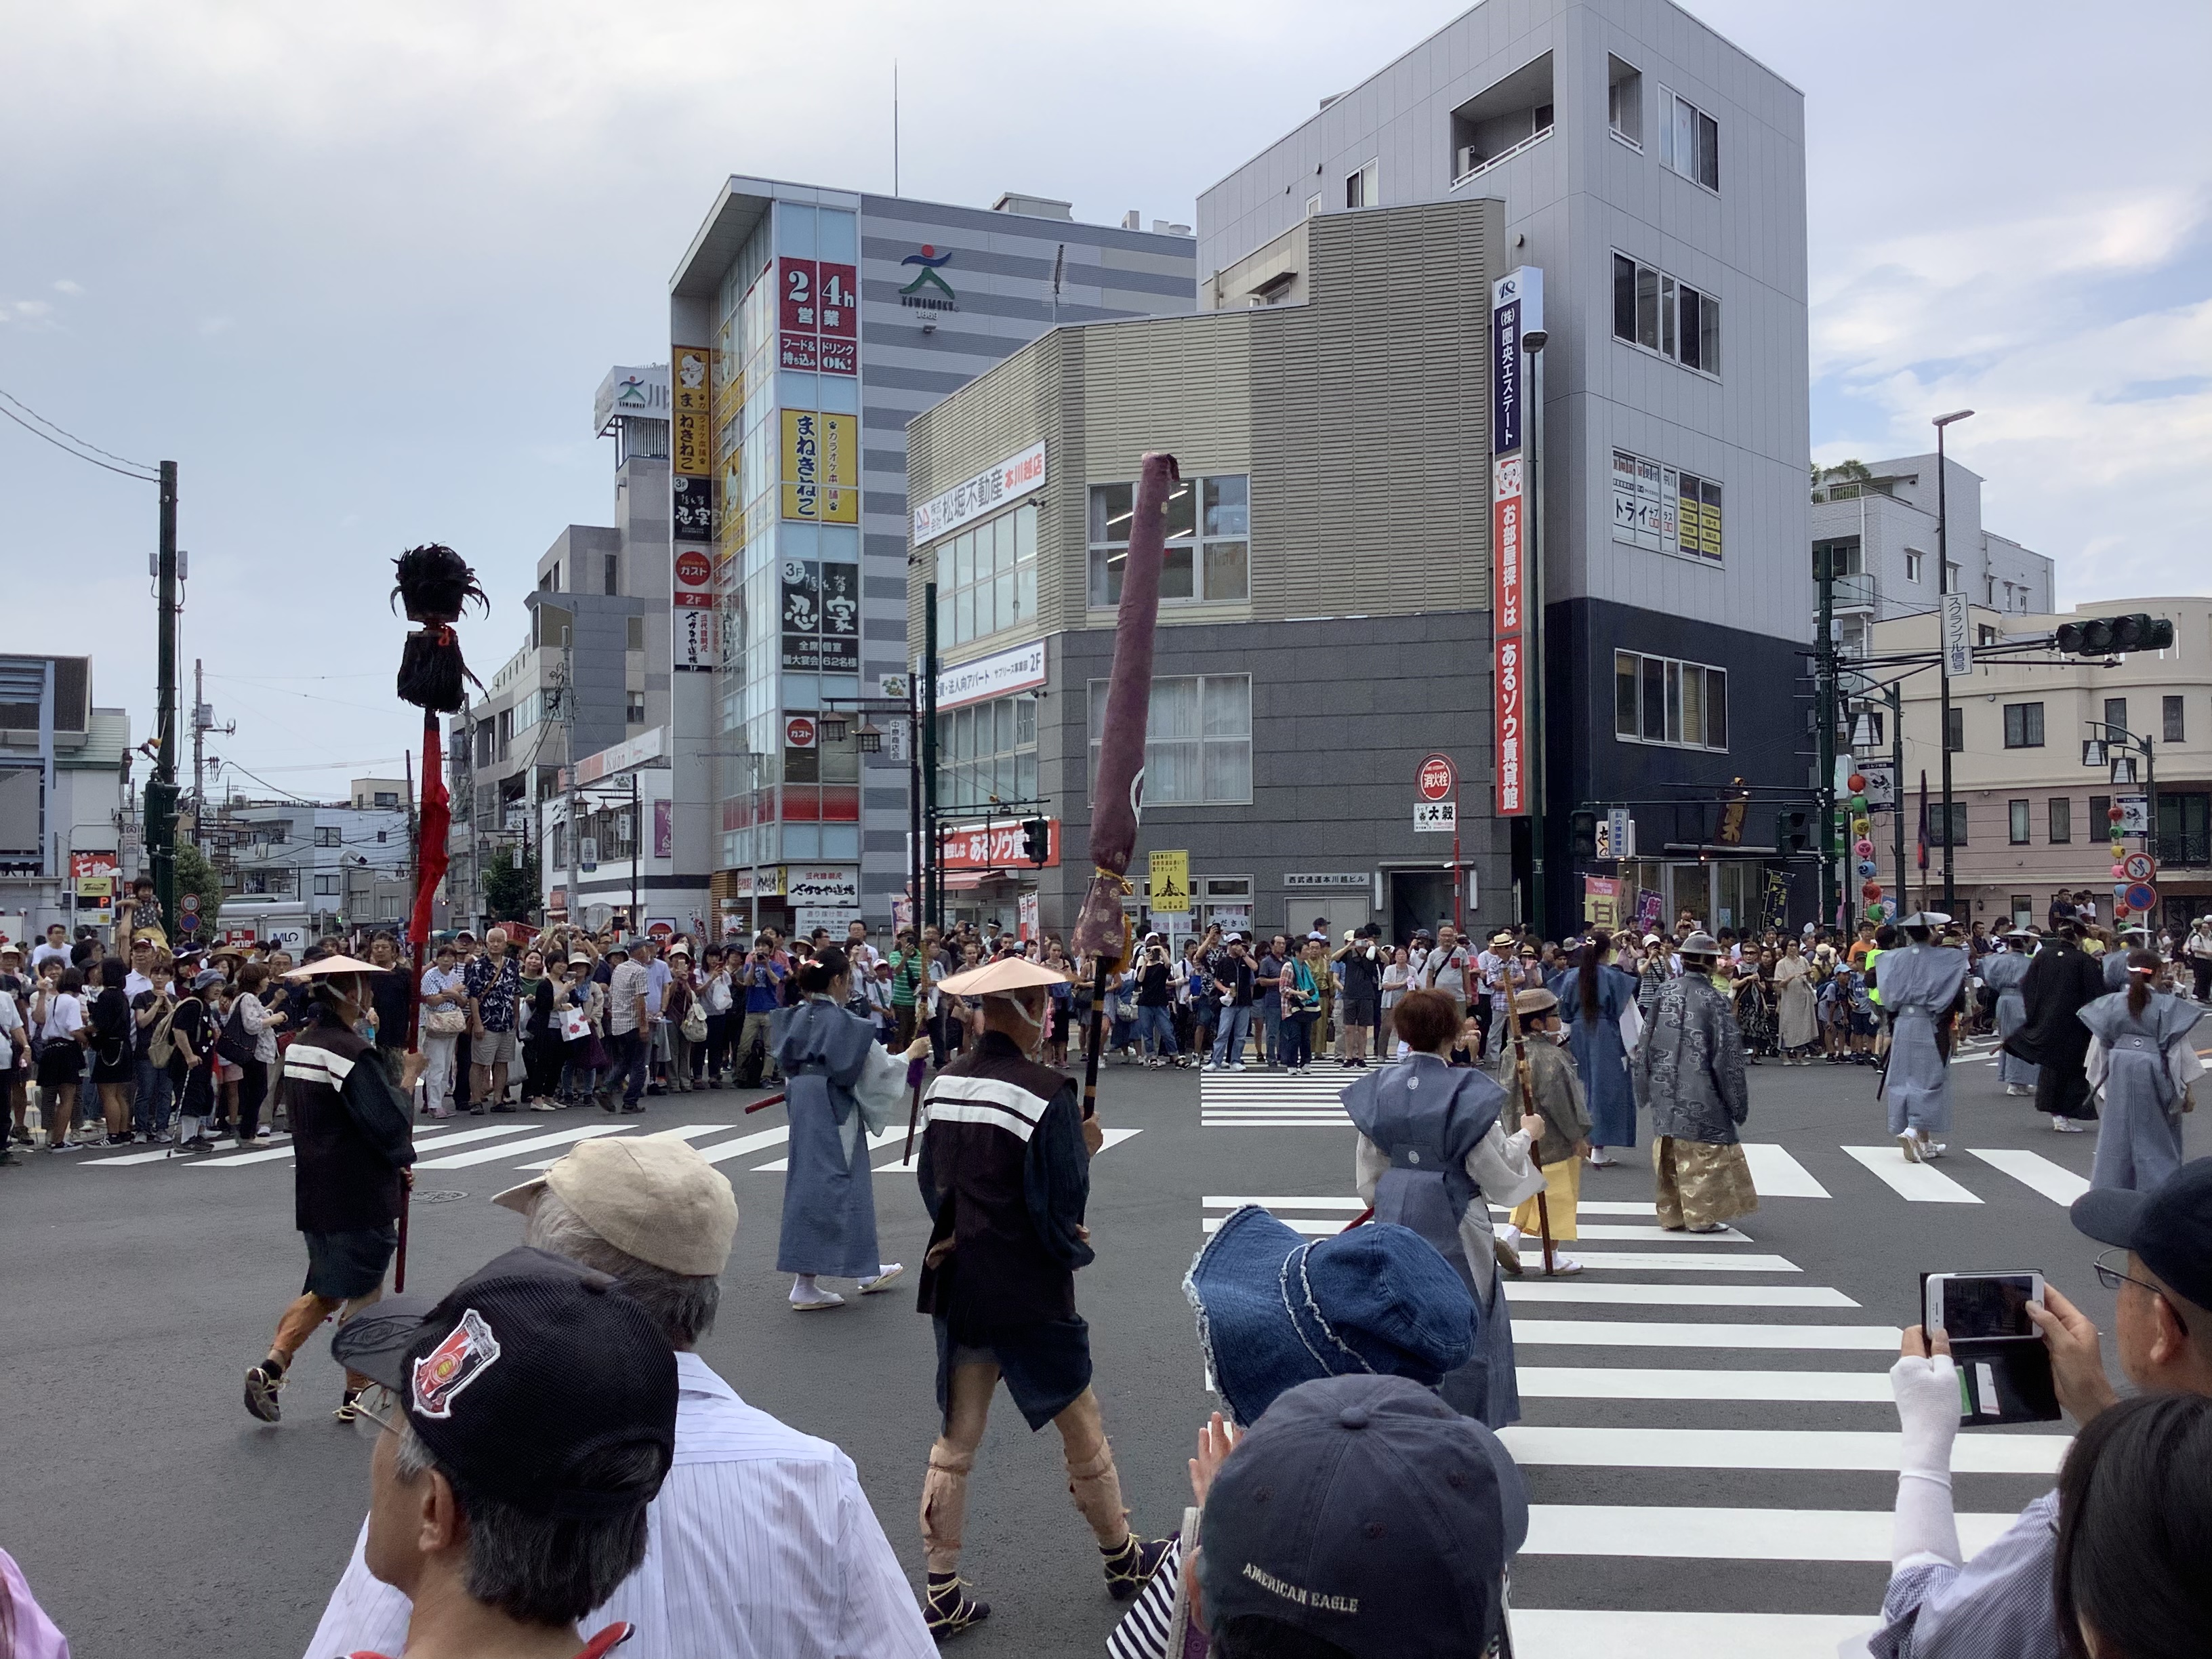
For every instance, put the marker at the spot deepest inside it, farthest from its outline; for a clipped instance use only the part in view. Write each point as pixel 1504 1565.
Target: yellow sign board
pixel 841 469
pixel 802 465
pixel 1170 883
pixel 692 395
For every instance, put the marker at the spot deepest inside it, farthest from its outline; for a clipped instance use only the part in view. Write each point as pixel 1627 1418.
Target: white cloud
pixel 63 285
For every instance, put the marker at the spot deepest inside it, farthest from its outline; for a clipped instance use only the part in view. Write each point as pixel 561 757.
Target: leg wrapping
pixel 945 1504
pixel 1095 1486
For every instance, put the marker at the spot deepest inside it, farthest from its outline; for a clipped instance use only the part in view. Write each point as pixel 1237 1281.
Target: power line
pixel 128 469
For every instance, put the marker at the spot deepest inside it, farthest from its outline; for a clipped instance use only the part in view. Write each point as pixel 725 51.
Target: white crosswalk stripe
pixel 1273 1100
pixel 1777 1175
pixel 2032 1170
pixel 1532 1288
pixel 1577 1633
pixel 1624 1382
pixel 1771 1449
pixel 1918 1184
pixel 558 1138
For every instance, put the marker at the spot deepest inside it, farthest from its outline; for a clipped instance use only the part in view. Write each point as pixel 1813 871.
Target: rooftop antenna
pixel 895 180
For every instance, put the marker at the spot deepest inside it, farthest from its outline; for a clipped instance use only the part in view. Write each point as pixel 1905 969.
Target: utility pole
pixel 1824 722
pixel 575 822
pixel 1942 656
pixel 161 787
pixel 932 859
pixel 636 854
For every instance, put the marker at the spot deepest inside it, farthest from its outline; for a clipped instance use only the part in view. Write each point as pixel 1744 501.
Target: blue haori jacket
pixel 841 1082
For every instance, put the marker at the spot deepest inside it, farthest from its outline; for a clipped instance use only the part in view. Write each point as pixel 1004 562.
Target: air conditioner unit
pixel 1466 160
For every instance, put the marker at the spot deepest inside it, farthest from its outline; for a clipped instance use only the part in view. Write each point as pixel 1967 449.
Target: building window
pixel 2023 725
pixel 633 711
pixel 1312 205
pixel 1954 731
pixel 1950 577
pixel 1209 549
pixel 2016 823
pixel 387 797
pixel 1624 101
pixel 1913 561
pixel 1197 740
pixel 1659 700
pixel 1668 511
pixel 1958 823
pixel 1656 312
pixel 987 578
pixel 2061 820
pixel 2171 714
pixel 614 574
pixel 2023 910
pixel 380 837
pixel 2101 809
pixel 1990 591
pixel 1985 633
pixel 987 752
pixel 1689 140
pixel 328 886
pixel 2115 716
pixel 1364 188
pixel 326 834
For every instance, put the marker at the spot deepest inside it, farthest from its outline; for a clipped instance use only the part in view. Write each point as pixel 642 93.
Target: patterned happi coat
pixel 1688 1069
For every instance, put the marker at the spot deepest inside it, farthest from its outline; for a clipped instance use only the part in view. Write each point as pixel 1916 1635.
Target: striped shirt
pixel 1997 1605
pixel 760 1546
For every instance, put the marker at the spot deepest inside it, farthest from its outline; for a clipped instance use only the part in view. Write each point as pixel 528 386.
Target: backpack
pixel 163 1043
pixel 751 1064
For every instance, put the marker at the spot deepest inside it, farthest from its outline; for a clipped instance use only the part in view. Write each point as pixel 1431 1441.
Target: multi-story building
pixel 1654 173
pixel 67 822
pixel 1325 613
pixel 2031 819
pixel 593 671
pixel 344 865
pixel 808 327
pixel 1878 521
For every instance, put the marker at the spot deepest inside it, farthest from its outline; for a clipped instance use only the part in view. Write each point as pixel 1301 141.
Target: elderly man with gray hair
pixel 761 1541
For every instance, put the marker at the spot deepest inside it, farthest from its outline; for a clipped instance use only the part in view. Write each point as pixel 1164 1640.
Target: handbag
pixel 575 1026
pixel 695 1023
pixel 233 1045
pixel 446 1021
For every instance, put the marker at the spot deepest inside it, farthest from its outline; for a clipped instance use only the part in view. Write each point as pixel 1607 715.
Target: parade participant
pixel 2142 1061
pixel 1559 1102
pixel 815 1573
pixel 2060 982
pixel 1380 1302
pixel 2114 962
pixel 1799 1029
pixel 1595 997
pixel 1432 1156
pixel 1922 988
pixel 1688 1070
pixel 1004 1168
pixel 528 1419
pixel 2196 952
pixel 841 1081
pixel 2004 972
pixel 352 1137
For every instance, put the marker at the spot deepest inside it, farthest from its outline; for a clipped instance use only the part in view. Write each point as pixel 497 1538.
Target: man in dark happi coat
pixel 2060 981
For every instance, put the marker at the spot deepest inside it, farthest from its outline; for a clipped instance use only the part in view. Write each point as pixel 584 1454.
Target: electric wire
pixel 128 469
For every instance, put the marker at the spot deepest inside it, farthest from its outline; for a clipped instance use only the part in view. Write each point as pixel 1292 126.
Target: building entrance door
pixel 1418 898
pixel 1335 914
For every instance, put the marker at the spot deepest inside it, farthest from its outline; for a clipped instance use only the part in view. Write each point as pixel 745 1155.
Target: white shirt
pixel 134 982
pixel 760 1546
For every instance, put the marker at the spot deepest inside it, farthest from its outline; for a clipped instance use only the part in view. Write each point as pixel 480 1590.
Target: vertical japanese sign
pixel 1516 306
pixel 817 316
pixel 695 638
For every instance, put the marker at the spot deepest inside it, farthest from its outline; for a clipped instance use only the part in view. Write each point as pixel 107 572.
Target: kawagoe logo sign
pixel 929 291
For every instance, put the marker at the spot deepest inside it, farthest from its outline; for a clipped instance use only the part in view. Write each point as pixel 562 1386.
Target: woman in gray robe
pixel 1433 1157
pixel 1920 985
pixel 2141 1054
pixel 840 1082
pixel 2002 971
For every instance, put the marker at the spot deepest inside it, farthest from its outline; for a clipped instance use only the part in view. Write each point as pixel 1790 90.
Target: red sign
pixel 995 847
pixel 1509 696
pixel 799 313
pixel 840 313
pixel 1437 778
pixel 798 732
pixel 695 580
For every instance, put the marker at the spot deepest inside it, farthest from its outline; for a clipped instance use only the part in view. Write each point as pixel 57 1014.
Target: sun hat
pixel 1002 977
pixel 1276 1308
pixel 653 1197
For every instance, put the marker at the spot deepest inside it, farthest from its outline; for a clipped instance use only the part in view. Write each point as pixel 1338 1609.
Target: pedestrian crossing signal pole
pixel 161 788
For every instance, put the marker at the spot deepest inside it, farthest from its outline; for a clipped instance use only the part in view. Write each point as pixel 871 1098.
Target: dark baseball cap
pixel 1365 1511
pixel 2169 1228
pixel 522 1374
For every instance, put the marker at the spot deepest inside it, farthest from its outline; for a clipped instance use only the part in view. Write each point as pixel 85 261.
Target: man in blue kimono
pixel 1922 987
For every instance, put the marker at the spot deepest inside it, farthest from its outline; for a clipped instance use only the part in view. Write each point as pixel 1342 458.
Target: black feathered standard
pixel 435 584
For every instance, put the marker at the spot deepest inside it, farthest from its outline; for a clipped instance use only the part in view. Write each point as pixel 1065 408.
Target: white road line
pixel 725 1150
pixel 1349 1205
pixel 274 1153
pixel 1600 1206
pixel 1777 1175
pixel 1335 1121
pixel 559 1138
pixel 1617 1334
pixel 906 1165
pixel 686 1131
pixel 877 1142
pixel 1670 1261
pixel 1871 1451
pixel 1606 1383
pixel 1921 1183
pixel 283 1148
pixel 2055 1181
pixel 1577 1633
pixel 1721 1535
pixel 1612 1233
pixel 1534 1288
pixel 1319 1226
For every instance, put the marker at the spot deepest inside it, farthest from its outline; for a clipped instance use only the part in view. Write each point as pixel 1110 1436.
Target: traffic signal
pixel 2103 637
pixel 1582 835
pixel 1036 840
pixel 1793 831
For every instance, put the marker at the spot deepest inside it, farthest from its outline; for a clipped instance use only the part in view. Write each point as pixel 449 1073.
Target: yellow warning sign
pixel 1170 883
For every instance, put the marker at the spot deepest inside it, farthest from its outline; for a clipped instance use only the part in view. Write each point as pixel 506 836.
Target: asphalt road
pixel 151 1513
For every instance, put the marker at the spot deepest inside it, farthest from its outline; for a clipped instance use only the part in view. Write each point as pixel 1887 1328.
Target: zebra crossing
pixel 1642 1378
pixel 511 1145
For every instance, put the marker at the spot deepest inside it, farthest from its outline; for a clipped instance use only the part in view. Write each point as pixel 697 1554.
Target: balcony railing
pixel 2184 848
pixel 1860 591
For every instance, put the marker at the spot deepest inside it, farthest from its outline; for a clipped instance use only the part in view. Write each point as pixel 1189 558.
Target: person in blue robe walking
pixel 1593 996
pixel 2142 1058
pixel 2004 972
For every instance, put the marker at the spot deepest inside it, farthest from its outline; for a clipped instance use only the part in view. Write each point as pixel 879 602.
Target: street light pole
pixel 1943 657
pixel 1532 342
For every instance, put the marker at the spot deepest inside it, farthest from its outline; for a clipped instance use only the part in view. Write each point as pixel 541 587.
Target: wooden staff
pixel 1527 1091
pixel 1102 972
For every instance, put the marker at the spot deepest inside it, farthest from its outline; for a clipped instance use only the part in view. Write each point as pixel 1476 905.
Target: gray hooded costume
pixel 834 1069
pixel 2139 1134
pixel 2002 972
pixel 1920 984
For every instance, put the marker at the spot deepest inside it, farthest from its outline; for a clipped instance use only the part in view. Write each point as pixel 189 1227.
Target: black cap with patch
pixel 2169 1228
pixel 520 1375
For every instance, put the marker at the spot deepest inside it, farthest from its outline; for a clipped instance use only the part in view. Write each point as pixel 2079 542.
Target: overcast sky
pixel 359 268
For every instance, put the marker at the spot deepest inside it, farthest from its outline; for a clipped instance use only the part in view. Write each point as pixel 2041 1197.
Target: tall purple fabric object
pixel 1118 800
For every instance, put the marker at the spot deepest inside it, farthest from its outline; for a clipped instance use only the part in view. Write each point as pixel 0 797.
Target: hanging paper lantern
pixel 1859 806
pixel 2116 813
pixel 1867 867
pixel 2119 872
pixel 1855 783
pixel 1862 827
pixel 1863 847
pixel 1871 892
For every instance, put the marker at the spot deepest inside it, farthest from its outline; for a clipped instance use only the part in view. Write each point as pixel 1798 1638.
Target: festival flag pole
pixel 1101 927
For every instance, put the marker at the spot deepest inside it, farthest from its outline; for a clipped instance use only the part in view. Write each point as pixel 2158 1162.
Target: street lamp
pixel 1943 657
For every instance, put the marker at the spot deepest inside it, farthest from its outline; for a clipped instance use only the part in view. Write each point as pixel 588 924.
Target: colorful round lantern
pixel 1855 783
pixel 1871 892
pixel 2115 813
pixel 1863 847
pixel 1862 827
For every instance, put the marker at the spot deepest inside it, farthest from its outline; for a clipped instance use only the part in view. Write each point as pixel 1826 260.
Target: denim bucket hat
pixel 1276 1310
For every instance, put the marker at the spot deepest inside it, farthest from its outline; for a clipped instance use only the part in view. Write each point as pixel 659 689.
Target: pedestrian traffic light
pixel 1793 831
pixel 2102 636
pixel 1037 839
pixel 1582 835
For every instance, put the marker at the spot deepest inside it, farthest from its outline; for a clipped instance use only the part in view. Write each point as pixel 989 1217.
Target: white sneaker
pixel 884 1274
pixel 1932 1150
pixel 2066 1126
pixel 1910 1142
pixel 2018 1089
pixel 1236 1066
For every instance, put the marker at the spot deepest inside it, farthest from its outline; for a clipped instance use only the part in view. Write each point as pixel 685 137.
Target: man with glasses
pixel 2000 1603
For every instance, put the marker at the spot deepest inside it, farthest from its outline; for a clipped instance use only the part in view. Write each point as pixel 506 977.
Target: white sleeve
pixel 2095 1067
pixel 878 1089
pixel 1501 1166
pixel 364 1614
pixel 2183 1066
pixel 1367 1166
